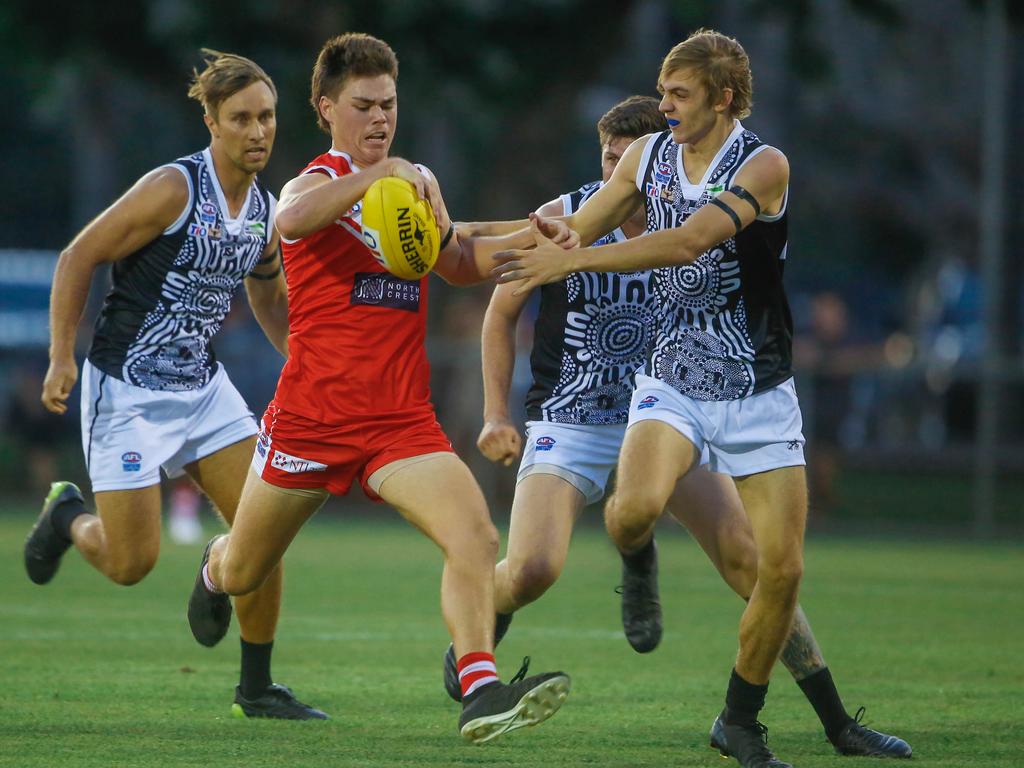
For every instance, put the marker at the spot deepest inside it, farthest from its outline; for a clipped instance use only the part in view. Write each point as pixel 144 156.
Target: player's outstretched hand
pixel 60 378
pixel 547 263
pixel 557 231
pixel 500 441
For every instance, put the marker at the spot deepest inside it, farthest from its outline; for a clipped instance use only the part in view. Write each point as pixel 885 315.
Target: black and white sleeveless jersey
pixel 726 329
pixel 592 332
pixel 170 297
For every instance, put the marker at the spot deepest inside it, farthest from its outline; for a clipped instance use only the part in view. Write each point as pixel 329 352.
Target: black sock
pixel 501 622
pixel 64 514
pixel 255 677
pixel 641 559
pixel 743 701
pixel 821 692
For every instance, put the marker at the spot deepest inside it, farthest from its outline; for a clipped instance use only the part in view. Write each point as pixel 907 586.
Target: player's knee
pixel 629 518
pixel 739 569
pixel 240 581
pixel 780 576
pixel 532 578
pixel 475 541
pixel 129 572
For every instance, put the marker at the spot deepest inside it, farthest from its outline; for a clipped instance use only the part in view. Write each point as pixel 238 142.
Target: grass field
pixel 927 635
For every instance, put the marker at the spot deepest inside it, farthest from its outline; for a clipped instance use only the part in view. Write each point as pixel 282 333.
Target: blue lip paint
pixel 672 123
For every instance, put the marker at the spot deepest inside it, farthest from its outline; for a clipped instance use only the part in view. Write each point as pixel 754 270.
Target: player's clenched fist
pixel 500 441
pixel 60 378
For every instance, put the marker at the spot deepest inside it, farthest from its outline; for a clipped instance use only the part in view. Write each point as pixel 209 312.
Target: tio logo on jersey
pixel 648 402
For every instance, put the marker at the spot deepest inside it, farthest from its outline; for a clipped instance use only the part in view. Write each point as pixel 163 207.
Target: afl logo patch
pixel 648 402
pixel 208 213
pixel 663 173
pixel 131 461
pixel 545 443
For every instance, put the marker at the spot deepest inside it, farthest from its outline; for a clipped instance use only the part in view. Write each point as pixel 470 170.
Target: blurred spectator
pixel 828 357
pixel 183 524
pixel 948 320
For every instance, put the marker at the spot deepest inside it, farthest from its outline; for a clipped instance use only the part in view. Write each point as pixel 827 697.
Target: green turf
pixel 926 635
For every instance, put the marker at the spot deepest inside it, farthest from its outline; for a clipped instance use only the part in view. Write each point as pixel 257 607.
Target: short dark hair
pixel 353 54
pixel 635 117
pixel 225 75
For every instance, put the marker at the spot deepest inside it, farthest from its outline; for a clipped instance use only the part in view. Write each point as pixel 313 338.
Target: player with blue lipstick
pixel 718 375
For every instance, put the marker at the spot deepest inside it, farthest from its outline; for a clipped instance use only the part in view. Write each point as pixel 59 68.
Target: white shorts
pixel 753 434
pixel 129 432
pixel 583 455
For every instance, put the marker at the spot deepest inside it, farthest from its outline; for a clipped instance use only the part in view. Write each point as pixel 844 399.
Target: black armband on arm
pixel 742 194
pixel 269 276
pixel 269 259
pixel 447 237
pixel 732 214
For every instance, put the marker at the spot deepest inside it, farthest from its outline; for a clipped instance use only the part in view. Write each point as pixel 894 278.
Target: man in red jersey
pixel 353 400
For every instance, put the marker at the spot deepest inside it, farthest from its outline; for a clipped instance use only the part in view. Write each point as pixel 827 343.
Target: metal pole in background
pixel 992 223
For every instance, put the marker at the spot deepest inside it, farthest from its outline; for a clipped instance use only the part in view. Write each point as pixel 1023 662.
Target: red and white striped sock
pixel 475 671
pixel 208 582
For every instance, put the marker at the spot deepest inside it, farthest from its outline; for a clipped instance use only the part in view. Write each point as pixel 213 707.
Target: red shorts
pixel 296 452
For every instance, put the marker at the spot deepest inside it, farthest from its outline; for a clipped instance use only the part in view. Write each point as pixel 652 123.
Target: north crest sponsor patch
pixel 381 289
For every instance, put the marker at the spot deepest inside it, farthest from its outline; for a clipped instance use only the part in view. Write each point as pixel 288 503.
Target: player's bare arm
pixel 314 200
pixel 499 439
pixel 470 257
pixel 137 218
pixel 614 202
pixel 759 188
pixel 468 260
pixel 267 292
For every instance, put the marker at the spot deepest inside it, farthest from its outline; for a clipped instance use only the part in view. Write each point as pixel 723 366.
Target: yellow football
pixel 399 228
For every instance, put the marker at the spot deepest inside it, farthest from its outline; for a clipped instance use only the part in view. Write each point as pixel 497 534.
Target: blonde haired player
pixel 353 401
pixel 577 408
pixel 180 242
pixel 718 375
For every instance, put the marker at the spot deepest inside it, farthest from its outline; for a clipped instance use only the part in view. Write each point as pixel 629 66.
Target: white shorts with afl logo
pixel 583 455
pixel 129 432
pixel 742 437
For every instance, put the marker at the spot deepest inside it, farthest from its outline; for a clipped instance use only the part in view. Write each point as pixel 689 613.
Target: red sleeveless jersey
pixel 356 332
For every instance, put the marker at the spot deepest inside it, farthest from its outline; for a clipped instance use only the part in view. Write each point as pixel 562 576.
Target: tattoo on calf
pixel 801 654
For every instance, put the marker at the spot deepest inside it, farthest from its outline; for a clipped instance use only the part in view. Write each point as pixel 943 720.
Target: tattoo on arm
pixel 801 655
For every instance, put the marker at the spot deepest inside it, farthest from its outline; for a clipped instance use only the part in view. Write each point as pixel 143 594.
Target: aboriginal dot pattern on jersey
pixel 600 325
pixel 170 298
pixel 704 347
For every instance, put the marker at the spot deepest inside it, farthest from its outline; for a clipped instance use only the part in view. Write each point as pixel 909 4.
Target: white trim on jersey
pixel 567 210
pixel 641 171
pixel 566 201
pixel 233 226
pixel 693 191
pixel 180 221
pixel 317 168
